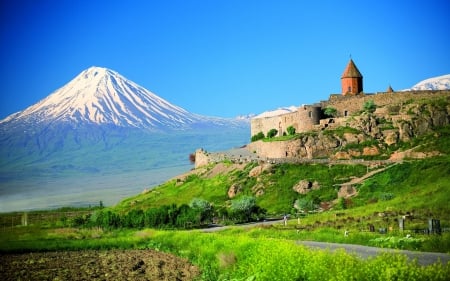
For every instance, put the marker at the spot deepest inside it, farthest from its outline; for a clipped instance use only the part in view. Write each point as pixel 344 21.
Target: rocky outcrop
pixel 305 186
pixel 346 190
pixel 234 190
pixel 363 135
pixel 201 158
pixel 256 171
pixel 386 128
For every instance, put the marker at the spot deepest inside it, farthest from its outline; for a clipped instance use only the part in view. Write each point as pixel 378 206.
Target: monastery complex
pixel 349 101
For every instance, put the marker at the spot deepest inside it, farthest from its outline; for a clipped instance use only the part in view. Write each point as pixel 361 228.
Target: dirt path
pixel 96 265
pixel 368 175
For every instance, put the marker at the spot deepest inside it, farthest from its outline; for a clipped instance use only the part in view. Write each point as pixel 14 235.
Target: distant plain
pixel 83 175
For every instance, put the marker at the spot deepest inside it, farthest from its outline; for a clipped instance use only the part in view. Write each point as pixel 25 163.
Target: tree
pixel 258 136
pixel 243 207
pixel 306 204
pixel 291 130
pixel 330 111
pixel 187 217
pixel 369 106
pixel 271 133
pixel 203 207
pixel 192 158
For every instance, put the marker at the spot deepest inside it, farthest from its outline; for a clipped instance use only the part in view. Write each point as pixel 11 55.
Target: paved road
pixel 423 258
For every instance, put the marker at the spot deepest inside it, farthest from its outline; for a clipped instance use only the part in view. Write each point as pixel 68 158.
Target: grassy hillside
pixel 411 186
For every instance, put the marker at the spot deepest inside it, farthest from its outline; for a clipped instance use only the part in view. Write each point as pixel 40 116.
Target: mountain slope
pixel 104 97
pixel 101 137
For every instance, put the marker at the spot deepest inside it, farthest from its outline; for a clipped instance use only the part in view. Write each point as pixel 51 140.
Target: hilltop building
pixel 306 117
pixel 351 80
pixel 345 110
pixel 349 101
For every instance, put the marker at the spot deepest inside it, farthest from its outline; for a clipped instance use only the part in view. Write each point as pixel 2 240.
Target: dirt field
pixel 96 265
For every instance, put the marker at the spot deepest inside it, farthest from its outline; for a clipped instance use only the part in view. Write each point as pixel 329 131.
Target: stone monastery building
pixel 350 100
pixel 307 116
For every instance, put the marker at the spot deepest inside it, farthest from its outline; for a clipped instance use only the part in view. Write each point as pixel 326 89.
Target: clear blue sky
pixel 221 58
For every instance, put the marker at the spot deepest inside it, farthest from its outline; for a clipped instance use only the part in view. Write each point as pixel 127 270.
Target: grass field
pixel 235 254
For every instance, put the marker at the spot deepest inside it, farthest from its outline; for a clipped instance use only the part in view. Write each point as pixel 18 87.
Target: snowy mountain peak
pixel 435 83
pixel 102 96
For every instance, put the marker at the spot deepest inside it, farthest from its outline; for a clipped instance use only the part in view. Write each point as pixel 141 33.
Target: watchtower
pixel 351 80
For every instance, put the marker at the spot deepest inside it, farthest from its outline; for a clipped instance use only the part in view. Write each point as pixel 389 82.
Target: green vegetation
pixel 413 190
pixel 290 130
pixel 330 111
pixel 340 131
pixel 237 254
pixel 369 106
pixel 258 136
pixel 272 133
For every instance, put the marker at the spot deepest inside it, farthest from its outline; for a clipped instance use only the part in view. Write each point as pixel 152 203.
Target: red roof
pixel 351 71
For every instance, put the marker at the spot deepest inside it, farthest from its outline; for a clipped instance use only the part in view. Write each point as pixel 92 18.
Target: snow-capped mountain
pixel 435 83
pixel 101 137
pixel 104 97
pixel 276 112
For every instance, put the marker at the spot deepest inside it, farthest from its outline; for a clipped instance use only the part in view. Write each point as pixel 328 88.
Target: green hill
pixel 413 186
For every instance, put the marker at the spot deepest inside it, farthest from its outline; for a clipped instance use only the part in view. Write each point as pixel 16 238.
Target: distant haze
pixel 101 137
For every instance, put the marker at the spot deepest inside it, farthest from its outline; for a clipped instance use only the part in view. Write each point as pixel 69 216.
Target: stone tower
pixel 351 80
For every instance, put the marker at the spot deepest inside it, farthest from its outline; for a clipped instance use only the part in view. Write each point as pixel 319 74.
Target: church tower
pixel 351 80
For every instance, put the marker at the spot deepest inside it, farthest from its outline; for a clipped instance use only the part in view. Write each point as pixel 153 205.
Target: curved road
pixel 423 258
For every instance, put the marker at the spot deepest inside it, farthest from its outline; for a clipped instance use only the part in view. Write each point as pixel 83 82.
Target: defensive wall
pixel 302 120
pixel 307 117
pixel 347 105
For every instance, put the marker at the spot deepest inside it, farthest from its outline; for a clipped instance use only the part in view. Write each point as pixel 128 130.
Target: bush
pixel 258 136
pixel 291 130
pixel 369 106
pixel 203 208
pixel 272 133
pixel 386 196
pixel 330 111
pixel 244 209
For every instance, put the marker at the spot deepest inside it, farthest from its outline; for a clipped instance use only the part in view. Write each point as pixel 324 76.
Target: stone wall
pixel 306 117
pixel 302 120
pixel 321 145
pixel 201 158
pixel 275 149
pixel 347 105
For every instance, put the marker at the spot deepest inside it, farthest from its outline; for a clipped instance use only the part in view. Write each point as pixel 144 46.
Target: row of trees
pixel 198 213
pixel 272 133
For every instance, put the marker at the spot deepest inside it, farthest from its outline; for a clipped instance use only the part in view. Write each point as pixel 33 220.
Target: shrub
pixel 369 106
pixel 258 136
pixel 386 196
pixel 203 207
pixel 330 111
pixel 244 209
pixel 291 130
pixel 272 133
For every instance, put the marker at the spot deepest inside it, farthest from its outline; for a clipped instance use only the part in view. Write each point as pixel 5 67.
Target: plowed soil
pixel 96 265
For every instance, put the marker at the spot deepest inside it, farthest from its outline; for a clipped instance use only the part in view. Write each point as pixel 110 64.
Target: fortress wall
pixel 302 120
pixel 201 158
pixel 350 104
pixel 276 149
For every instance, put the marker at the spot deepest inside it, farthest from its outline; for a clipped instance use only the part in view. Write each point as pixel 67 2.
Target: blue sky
pixel 221 58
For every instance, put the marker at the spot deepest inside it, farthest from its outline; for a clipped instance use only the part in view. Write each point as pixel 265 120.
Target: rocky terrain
pixel 367 134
